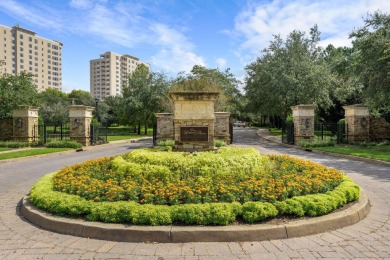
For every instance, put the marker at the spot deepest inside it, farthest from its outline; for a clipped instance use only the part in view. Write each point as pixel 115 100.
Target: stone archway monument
pixel 194 120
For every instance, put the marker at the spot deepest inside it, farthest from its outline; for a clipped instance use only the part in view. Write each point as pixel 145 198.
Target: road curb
pixel 183 234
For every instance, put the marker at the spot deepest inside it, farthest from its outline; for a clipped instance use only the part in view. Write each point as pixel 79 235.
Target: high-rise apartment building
pixel 109 72
pixel 23 51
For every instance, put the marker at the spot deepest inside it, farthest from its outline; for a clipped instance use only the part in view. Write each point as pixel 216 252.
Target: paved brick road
pixel 369 238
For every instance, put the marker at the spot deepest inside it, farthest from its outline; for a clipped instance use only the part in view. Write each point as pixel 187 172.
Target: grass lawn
pixel 31 152
pixel 4 149
pixel 124 137
pixel 276 131
pixel 361 152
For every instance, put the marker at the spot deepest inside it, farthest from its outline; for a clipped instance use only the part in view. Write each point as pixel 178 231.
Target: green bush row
pixel 44 197
pixel 64 144
pixel 12 144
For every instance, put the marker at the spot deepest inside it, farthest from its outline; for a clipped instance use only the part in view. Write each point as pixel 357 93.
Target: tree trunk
pixel 139 128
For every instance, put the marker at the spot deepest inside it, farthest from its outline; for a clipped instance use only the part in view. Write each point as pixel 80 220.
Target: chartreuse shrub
pixel 64 144
pixel 149 187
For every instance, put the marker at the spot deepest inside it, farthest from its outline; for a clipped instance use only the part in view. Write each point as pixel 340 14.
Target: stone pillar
pixel 303 118
pixel 221 128
pixel 194 120
pixel 25 124
pixel 164 126
pixel 357 122
pixel 80 122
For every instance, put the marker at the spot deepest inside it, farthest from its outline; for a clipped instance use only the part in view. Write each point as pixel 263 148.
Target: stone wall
pixel 6 126
pixel 164 126
pixel 221 127
pixel 379 129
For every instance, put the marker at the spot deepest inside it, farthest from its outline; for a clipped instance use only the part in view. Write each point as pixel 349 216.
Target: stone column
pixel 303 118
pixel 25 124
pixel 164 126
pixel 357 122
pixel 221 128
pixel 80 122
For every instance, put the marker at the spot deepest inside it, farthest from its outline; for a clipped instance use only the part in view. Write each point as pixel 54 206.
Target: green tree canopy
pixel 144 94
pixel 372 65
pixel 16 90
pixel 204 79
pixel 290 72
pixel 54 107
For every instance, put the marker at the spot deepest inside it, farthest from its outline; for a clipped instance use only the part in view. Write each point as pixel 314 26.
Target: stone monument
pixel 194 120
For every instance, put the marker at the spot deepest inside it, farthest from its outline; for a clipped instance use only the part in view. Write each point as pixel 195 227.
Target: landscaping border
pixel 183 234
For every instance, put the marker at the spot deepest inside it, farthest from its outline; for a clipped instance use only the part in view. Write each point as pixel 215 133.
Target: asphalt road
pixel 370 238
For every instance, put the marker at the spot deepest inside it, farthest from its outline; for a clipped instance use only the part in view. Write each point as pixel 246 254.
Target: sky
pixel 174 35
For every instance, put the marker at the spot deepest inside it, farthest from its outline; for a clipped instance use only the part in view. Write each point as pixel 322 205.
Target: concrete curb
pixel 345 156
pixel 183 234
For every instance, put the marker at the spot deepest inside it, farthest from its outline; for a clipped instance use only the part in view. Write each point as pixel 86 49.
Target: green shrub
pixel 317 142
pixel 64 144
pixel 205 214
pixel 170 143
pixel 12 144
pixel 219 143
pixel 257 211
pixel 44 197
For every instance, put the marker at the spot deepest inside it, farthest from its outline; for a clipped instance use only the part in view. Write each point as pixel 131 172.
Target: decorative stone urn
pixel 194 120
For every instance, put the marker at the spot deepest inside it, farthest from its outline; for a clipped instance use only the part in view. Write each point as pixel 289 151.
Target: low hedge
pixel 64 144
pixel 44 197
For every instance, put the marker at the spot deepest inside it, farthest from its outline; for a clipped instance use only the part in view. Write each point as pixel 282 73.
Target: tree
pixel 143 95
pixel 214 80
pixel 113 103
pixel 290 72
pixel 82 97
pixel 54 107
pixel 372 66
pixel 16 90
pixel 346 88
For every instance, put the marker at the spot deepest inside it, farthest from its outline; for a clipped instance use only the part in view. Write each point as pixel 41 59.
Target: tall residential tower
pixel 109 72
pixel 23 51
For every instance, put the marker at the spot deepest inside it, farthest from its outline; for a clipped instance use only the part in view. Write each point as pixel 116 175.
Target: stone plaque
pixel 194 133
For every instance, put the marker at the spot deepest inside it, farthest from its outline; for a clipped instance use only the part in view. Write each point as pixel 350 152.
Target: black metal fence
pixel 155 134
pixel 49 133
pixel 231 132
pixel 98 134
pixel 287 132
pixel 337 131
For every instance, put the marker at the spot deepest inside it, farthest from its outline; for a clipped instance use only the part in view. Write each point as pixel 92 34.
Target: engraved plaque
pixel 194 133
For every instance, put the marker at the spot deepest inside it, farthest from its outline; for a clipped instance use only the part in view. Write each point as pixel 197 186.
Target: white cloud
pixel 259 21
pixel 221 62
pixel 176 53
pixel 32 13
pixel 81 4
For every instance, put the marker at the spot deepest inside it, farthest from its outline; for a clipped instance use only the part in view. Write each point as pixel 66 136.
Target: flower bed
pixel 156 187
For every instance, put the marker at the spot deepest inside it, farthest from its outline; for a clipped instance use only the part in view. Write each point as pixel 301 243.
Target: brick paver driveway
pixel 370 238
